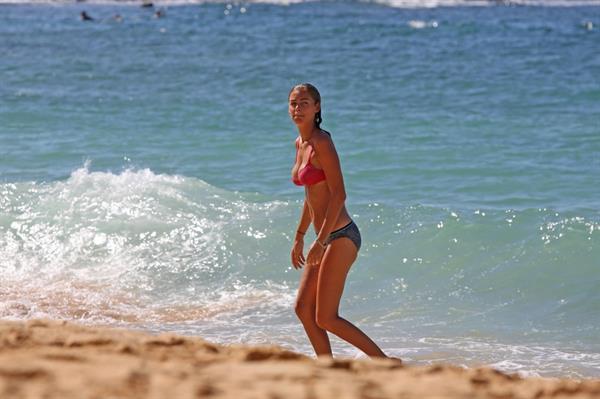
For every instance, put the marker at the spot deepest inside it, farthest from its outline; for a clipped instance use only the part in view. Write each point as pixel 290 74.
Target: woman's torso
pixel 317 195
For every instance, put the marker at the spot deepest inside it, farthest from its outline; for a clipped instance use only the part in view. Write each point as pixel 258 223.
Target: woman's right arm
pixel 297 249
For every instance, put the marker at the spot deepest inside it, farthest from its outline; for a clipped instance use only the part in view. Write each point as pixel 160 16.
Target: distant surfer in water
pixel 317 168
pixel 85 17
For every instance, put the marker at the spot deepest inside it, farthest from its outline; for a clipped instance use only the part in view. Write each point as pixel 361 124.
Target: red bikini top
pixel 308 175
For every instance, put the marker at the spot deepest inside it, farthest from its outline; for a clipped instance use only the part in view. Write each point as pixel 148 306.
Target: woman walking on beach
pixel 330 256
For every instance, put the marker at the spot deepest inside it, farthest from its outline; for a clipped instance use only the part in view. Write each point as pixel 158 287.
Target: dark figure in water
pixel 147 4
pixel 159 14
pixel 85 17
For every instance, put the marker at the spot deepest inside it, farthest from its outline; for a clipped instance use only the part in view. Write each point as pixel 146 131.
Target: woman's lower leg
pixel 317 336
pixel 353 335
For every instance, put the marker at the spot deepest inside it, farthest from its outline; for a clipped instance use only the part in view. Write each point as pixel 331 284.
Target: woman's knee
pixel 304 310
pixel 326 321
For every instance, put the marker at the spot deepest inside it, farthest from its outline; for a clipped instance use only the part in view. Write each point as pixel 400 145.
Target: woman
pixel 330 256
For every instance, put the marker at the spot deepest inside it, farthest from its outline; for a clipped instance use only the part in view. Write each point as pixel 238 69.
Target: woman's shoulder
pixel 323 138
pixel 323 142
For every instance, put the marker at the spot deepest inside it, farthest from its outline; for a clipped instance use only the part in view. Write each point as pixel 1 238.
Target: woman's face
pixel 302 107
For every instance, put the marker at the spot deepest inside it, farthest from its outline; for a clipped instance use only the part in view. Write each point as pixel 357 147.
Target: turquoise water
pixel 145 172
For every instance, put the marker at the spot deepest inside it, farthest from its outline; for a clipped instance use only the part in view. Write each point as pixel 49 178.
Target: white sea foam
pixel 131 247
pixel 485 3
pixel 418 24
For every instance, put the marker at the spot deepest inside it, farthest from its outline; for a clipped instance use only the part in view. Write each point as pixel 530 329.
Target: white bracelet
pixel 321 244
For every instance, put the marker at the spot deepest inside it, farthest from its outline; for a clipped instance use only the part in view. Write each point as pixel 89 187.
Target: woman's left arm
pixel 330 163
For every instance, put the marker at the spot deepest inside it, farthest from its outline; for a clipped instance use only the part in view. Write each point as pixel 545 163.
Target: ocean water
pixel 145 171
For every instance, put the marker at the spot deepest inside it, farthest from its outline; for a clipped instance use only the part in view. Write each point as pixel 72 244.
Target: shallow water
pixel 145 172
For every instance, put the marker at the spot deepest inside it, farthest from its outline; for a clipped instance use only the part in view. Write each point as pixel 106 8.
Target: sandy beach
pixel 56 359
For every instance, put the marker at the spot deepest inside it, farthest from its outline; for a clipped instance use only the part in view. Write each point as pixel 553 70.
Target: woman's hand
pixel 297 256
pixel 315 253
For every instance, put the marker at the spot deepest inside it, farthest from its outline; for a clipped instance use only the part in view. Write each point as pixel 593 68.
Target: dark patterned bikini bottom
pixel 350 230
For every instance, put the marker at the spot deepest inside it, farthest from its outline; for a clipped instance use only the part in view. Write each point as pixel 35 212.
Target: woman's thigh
pixel 307 290
pixel 339 257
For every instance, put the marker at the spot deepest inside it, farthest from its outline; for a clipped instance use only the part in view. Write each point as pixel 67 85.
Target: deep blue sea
pixel 145 171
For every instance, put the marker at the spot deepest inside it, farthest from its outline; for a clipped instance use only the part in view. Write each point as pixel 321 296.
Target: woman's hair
pixel 316 96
